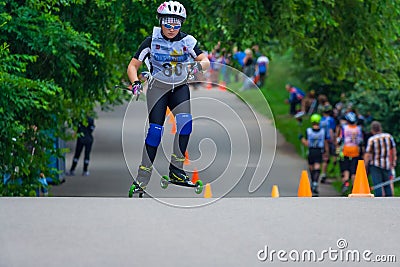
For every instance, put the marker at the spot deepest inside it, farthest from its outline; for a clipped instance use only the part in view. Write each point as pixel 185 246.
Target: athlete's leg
pixel 78 151
pixel 345 169
pixel 326 161
pixel 88 149
pixel 179 103
pixel 156 104
pixel 353 168
pixel 311 161
pixel 315 176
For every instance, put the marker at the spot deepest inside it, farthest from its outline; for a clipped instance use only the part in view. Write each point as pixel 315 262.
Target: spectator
pixel 261 68
pixel 248 70
pixel 369 118
pixel 213 57
pixel 308 104
pixel 296 95
pixel 248 63
pixel 257 52
pixel 85 140
pixel 380 157
pixel 322 103
pixel 340 106
pixel 238 57
pixel 224 71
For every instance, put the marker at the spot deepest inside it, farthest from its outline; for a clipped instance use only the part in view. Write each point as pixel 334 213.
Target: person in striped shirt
pixel 380 157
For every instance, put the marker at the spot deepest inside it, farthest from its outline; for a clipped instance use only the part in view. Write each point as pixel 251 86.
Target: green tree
pixel 60 59
pixel 47 81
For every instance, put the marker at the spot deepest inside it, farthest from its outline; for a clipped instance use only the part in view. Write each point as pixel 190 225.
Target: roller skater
pixel 317 143
pixel 168 52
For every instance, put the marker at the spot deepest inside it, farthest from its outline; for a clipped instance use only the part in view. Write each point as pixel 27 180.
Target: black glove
pixel 137 87
pixel 196 67
pixel 300 136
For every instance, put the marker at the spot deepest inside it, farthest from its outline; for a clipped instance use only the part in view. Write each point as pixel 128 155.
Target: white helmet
pixel 173 9
pixel 351 117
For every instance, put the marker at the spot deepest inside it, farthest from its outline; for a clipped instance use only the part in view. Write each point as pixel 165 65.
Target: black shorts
pixel 349 164
pixel 315 155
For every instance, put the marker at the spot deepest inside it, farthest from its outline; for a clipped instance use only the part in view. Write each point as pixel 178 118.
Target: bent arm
pixel 367 158
pixel 203 60
pixel 304 141
pixel 132 70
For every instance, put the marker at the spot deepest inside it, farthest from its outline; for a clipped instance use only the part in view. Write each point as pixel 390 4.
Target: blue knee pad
pixel 154 134
pixel 184 123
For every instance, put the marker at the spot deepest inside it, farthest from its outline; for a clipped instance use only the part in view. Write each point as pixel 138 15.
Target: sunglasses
pixel 169 26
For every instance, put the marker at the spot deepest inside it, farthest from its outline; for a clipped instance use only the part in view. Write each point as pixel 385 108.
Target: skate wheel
pixel 140 195
pixel 199 187
pixel 131 190
pixel 164 182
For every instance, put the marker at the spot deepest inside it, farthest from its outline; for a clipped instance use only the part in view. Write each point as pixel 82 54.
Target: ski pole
pixel 127 89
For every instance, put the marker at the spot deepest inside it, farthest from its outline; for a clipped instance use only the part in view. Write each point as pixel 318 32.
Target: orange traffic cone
pixel 195 176
pixel 275 191
pixel 168 112
pixel 173 129
pixel 361 184
pixel 207 191
pixel 187 161
pixel 304 186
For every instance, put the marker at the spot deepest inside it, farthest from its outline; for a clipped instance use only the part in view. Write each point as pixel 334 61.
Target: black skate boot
pixel 139 184
pixel 314 189
pixel 323 178
pixel 176 172
pixel 178 176
pixel 345 188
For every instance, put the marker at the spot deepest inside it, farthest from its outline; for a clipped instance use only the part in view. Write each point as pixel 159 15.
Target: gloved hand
pixel 300 136
pixel 196 67
pixel 137 87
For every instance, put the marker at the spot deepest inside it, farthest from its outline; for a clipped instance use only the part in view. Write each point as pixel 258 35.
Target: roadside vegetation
pixel 61 59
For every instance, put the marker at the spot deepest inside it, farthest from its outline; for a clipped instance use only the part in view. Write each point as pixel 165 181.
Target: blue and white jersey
pixel 327 123
pixel 316 138
pixel 168 58
pixel 262 63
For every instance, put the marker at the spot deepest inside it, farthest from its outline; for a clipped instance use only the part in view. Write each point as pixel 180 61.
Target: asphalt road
pixel 233 148
pixel 103 232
